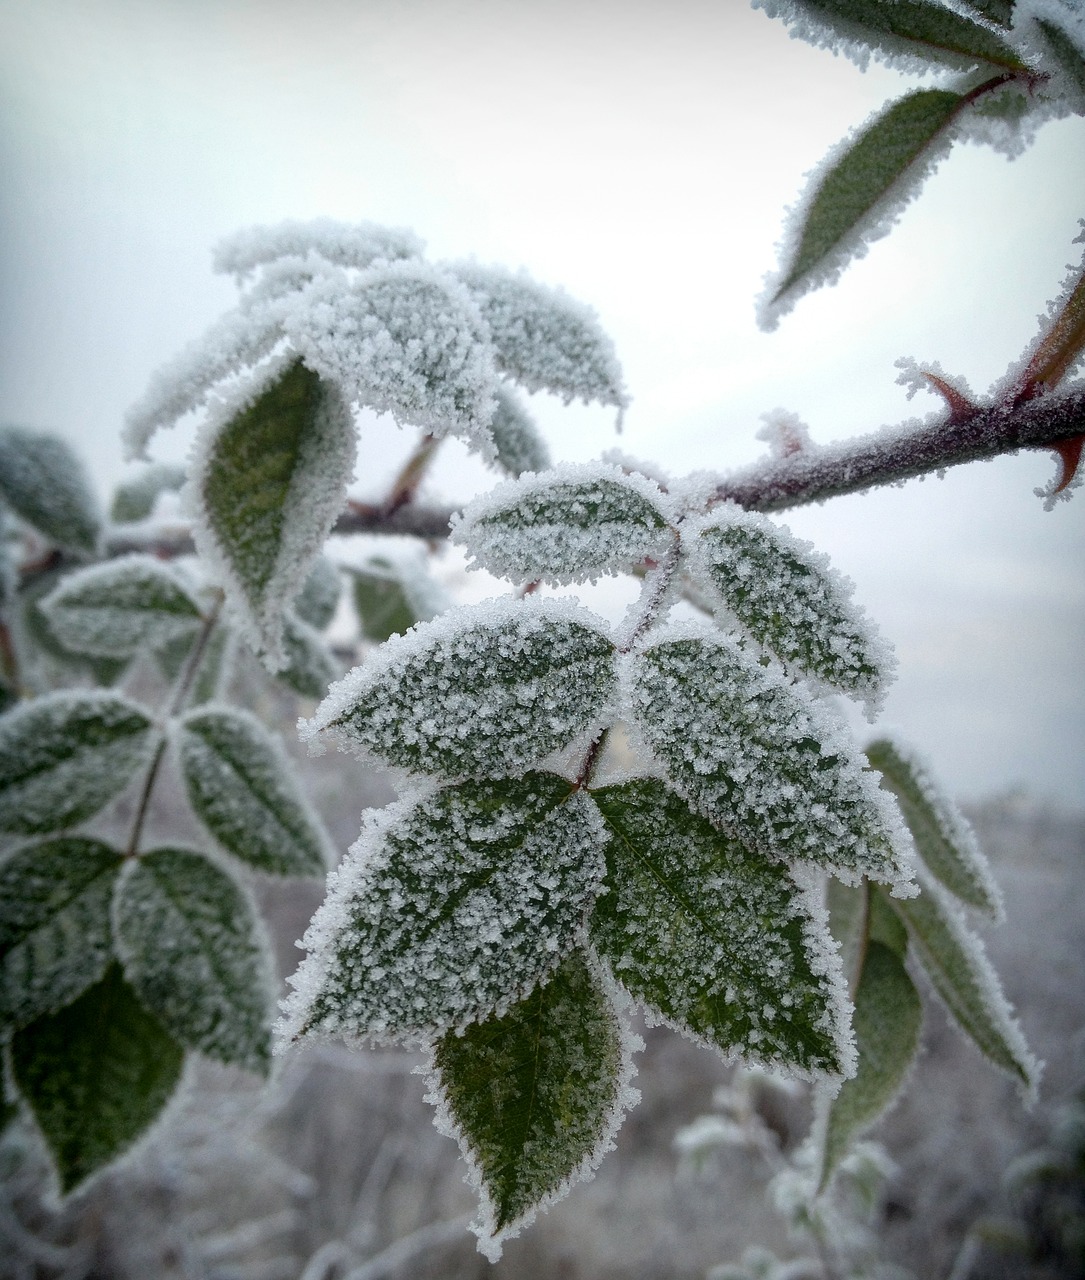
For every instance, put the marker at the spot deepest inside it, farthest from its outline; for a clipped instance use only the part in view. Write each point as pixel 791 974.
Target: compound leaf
pixel 270 482
pixel 484 690
pixel 96 1075
pixel 55 935
pixel 943 838
pixel 449 908
pixel 192 948
pixel 65 755
pixel 566 525
pixel 240 786
pixel 134 499
pixel 762 759
pixel 533 1095
pixel 43 480
pixel 716 939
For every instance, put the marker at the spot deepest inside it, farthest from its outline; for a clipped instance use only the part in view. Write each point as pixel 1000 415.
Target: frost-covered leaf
pixel 96 1075
pixel 269 483
pixel 406 339
pixel 486 690
pixel 134 499
pixel 566 525
pixel 115 609
pixel 887 1020
pixel 241 788
pixel 1061 346
pixel 213 669
pixel 193 949
pixel 46 645
pixel 957 964
pixel 449 908
pixel 43 480
pixel 55 935
pixel 344 244
pixel 316 602
pixel 716 939
pixel 762 759
pixel 997 11
pixel 65 755
pixel 310 665
pixel 791 600
pixel 533 1097
pixel 519 446
pixel 1067 54
pixel 942 835
pixel 390 596
pixel 545 340
pixel 864 186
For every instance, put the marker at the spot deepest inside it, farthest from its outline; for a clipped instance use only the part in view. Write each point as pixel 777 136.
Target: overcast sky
pixel 640 154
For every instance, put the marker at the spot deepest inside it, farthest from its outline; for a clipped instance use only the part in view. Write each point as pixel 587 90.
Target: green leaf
pixel 316 602
pixel 449 908
pixel 383 601
pixel 852 194
pixel 761 758
pixel 114 610
pixel 270 484
pixel 887 1021
pixel 1066 54
pixel 43 481
pixel 1061 347
pixel 791 600
pixel 484 690
pixel 566 525
pixel 957 965
pixel 716 939
pixel 193 949
pixel 213 669
pixel 134 499
pixel 96 1075
pixel 997 11
pixel 533 1096
pixel 55 935
pixel 930 31
pixel 310 665
pixel 65 755
pixel 943 838
pixel 104 671
pixel 519 445
pixel 241 788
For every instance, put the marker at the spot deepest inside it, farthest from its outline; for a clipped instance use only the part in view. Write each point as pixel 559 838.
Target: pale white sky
pixel 640 154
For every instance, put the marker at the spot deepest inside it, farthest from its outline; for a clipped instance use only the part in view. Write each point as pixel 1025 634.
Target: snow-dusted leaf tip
pixel 569 524
pixel 483 690
pixel 44 482
pixel 134 499
pixel 449 908
pixel 241 788
pixel 716 939
pixel 343 244
pixel 193 949
pixel 943 837
pixel 517 441
pixel 65 755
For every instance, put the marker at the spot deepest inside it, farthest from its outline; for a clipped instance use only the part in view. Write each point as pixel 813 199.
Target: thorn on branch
pixel 961 408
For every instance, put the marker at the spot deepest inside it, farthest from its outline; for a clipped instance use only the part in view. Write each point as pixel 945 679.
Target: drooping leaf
pixel 193 949
pixel 55 935
pixel 310 665
pixel 484 690
pixel 449 908
pixel 43 480
pixel 116 609
pixel 134 499
pixel 316 602
pixel 762 759
pixel 269 483
pixel 791 600
pixel 241 788
pixel 716 939
pixel 887 1020
pixel 957 964
pixel 566 525
pixel 65 755
pixel 545 340
pixel 867 181
pixel 519 446
pixel 96 1075
pixel 943 837
pixel 533 1096
pixel 391 596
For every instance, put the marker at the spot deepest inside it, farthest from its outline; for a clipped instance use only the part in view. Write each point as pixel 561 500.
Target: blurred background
pixel 642 155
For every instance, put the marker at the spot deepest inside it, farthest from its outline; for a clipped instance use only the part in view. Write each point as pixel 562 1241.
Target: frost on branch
pixel 761 758
pixel 450 907
pixel 488 689
pixel 716 939
pixel 569 524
